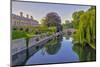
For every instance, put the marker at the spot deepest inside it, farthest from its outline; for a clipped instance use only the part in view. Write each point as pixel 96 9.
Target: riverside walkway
pixel 20 52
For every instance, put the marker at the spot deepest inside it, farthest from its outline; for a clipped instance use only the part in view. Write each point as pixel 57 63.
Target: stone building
pixel 20 22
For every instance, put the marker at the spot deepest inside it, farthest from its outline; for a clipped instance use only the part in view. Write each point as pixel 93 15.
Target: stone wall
pixel 22 52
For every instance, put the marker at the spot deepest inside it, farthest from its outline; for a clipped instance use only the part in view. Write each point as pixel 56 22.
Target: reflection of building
pixel 21 22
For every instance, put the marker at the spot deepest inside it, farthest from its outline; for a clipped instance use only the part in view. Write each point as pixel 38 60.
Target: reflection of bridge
pixel 69 31
pixel 20 56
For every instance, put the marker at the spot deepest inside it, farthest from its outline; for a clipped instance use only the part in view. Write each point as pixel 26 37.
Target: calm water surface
pixel 55 51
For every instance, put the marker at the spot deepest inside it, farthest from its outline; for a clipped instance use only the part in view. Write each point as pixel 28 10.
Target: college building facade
pixel 20 22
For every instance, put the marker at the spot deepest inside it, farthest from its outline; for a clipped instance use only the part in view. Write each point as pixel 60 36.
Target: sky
pixel 40 10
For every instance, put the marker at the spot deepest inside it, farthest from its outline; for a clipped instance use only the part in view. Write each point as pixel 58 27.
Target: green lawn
pixel 18 34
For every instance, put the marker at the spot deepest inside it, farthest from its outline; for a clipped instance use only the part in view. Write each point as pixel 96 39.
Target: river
pixel 61 50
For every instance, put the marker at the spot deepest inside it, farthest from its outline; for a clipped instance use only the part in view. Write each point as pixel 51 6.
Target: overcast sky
pixel 40 10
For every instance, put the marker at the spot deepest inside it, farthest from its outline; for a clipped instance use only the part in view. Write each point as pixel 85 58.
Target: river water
pixel 61 50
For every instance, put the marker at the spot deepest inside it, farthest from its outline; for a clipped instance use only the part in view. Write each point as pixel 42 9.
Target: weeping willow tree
pixel 76 18
pixel 86 32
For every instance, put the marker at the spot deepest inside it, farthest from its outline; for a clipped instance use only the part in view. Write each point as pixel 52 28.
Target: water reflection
pixel 59 49
pixel 53 46
pixel 85 53
pixel 56 50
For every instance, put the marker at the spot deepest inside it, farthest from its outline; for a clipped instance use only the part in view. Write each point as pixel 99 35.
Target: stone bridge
pixel 69 31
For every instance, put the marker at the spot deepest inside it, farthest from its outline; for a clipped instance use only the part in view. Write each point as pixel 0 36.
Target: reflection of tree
pixel 85 53
pixel 53 46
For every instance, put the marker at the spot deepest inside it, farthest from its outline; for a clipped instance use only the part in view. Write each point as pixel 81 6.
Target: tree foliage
pixel 67 24
pixel 52 19
pixel 76 18
pixel 86 27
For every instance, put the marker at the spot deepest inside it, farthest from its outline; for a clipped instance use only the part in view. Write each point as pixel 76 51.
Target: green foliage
pixel 44 22
pixel 86 32
pixel 52 29
pixel 76 18
pixel 35 31
pixel 85 53
pixel 53 46
pixel 44 29
pixel 18 34
pixel 67 25
pixel 51 19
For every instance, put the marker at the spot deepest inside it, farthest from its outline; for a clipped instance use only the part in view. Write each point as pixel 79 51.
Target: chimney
pixel 32 17
pixel 27 16
pixel 21 14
